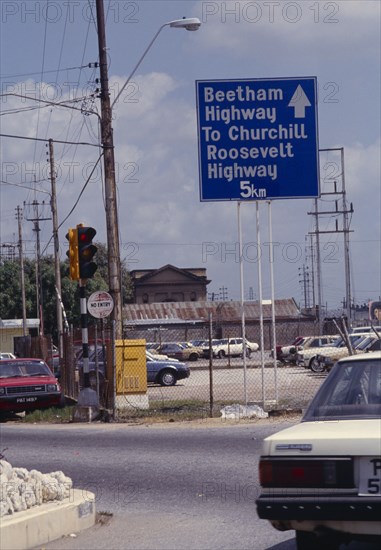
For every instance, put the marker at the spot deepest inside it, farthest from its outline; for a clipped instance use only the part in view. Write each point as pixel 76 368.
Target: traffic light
pixel 72 254
pixel 86 251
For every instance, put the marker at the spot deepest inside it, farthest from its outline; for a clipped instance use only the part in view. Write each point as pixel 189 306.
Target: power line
pixel 77 201
pixel 51 103
pixel 344 211
pixel 55 141
pixel 45 72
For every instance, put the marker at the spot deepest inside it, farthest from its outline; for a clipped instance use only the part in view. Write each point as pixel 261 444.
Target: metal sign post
pixel 243 322
pixel 87 408
pixel 100 305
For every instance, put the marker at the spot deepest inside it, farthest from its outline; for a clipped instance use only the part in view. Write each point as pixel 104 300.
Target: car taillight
pixel 306 473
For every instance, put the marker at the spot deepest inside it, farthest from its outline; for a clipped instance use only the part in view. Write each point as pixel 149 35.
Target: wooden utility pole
pixel 57 269
pixel 112 227
pixel 22 273
pixel 39 295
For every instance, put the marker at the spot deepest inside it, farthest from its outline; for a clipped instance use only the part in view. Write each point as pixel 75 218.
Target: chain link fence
pixel 214 382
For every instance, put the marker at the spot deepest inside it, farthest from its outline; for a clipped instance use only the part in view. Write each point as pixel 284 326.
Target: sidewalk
pixel 42 524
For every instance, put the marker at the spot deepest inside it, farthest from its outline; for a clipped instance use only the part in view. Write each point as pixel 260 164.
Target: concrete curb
pixel 50 521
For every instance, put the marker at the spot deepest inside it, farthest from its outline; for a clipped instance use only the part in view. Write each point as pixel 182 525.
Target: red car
pixel 26 385
pixel 279 352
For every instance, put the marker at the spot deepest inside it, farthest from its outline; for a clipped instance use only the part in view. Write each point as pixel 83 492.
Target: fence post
pixel 211 401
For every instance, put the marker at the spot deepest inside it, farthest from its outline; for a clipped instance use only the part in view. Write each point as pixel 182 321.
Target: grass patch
pixel 174 411
pixel 169 411
pixel 53 416
pixel 160 411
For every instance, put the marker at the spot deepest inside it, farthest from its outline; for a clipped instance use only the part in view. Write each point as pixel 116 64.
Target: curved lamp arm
pixel 190 24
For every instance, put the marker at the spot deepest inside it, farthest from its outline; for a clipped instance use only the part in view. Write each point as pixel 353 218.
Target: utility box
pixel 131 367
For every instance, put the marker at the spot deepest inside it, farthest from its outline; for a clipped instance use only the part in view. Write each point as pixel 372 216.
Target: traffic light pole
pixel 57 269
pixel 85 335
pixel 80 253
pixel 87 408
pixel 113 248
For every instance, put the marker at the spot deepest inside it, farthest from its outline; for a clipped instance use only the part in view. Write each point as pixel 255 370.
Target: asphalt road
pixel 172 486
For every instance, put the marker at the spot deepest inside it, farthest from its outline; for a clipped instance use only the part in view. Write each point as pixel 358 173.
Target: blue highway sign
pixel 258 139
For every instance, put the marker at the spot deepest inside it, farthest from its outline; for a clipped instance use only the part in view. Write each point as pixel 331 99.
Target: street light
pixel 187 23
pixel 112 226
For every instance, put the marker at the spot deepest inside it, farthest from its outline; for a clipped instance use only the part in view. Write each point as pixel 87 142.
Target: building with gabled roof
pixel 169 284
pixel 174 300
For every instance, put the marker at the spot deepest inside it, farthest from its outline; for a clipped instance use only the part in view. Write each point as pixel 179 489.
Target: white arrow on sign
pixel 299 101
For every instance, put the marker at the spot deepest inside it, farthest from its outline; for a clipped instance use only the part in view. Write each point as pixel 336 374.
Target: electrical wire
pixel 41 77
pixel 65 149
pixel 59 64
pixel 76 202
pixel 55 140
pixel 45 72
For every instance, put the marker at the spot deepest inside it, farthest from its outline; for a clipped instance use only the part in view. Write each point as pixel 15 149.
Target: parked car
pixel 189 345
pixel 206 346
pixel 166 373
pixel 153 350
pixel 198 343
pixel 152 346
pixel 281 354
pixel 308 357
pixel 322 477
pixel 362 330
pixel 369 343
pixel 233 347
pixel 6 355
pixel 287 354
pixel 27 385
pixel 179 352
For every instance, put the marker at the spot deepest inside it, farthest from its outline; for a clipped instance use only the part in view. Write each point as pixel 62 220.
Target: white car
pixel 362 330
pixel 288 354
pixel 308 358
pixel 7 355
pixel 233 347
pixel 326 362
pixel 152 356
pixel 322 477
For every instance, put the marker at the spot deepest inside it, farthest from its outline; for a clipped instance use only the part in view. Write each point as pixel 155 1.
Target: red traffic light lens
pixel 86 234
pixel 86 251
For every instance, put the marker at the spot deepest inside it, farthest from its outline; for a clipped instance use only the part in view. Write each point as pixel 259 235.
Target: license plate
pixel 26 399
pixel 370 475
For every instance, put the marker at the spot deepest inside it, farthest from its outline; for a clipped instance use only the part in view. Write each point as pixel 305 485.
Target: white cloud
pixel 244 27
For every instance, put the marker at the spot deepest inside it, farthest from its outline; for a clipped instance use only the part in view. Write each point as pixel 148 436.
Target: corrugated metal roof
pixel 196 311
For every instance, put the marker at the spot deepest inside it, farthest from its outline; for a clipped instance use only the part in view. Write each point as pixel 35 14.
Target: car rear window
pixel 353 389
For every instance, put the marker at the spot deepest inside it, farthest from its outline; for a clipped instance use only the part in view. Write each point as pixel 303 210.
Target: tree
pixel 10 289
pixel 102 262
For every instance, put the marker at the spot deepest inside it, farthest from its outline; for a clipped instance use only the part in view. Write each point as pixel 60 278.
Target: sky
pixel 48 52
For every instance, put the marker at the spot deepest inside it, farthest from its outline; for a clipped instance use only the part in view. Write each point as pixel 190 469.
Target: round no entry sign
pixel 100 304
